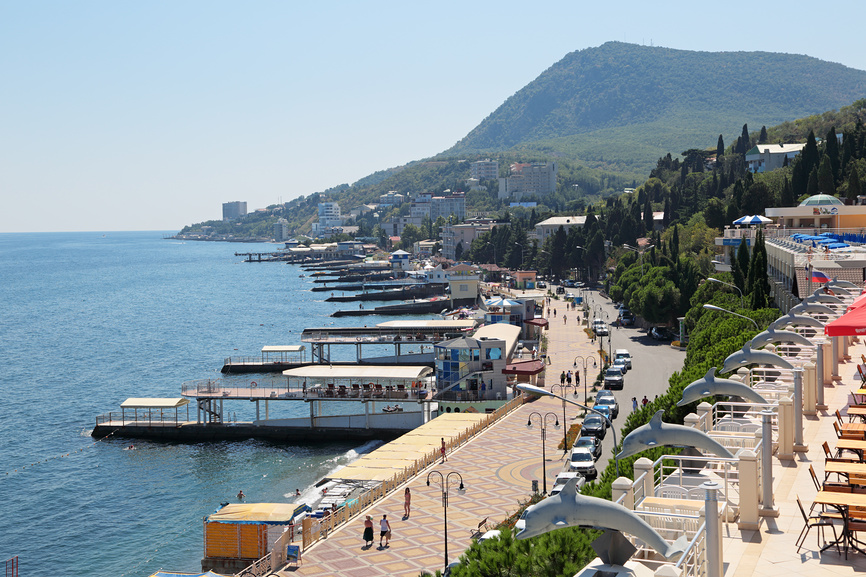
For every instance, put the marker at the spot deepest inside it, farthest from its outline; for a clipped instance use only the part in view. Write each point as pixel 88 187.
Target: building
pixel 424 247
pixel 281 230
pixel 394 226
pixel 484 169
pixel 234 210
pixel 819 211
pixel 399 260
pixel 546 228
pixel 764 157
pixel 463 280
pixel 445 205
pixel 391 198
pixel 454 235
pixel 330 220
pixel 529 179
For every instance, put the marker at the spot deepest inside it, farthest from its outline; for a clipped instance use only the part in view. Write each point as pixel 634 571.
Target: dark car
pixel 591 443
pixel 610 402
pixel 626 318
pixel 660 334
pixel 560 290
pixel 594 425
pixel 613 379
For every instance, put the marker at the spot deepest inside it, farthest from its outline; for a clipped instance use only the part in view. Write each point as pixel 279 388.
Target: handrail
pixel 692 548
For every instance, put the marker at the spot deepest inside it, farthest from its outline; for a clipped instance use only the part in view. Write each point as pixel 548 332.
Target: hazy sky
pixel 149 115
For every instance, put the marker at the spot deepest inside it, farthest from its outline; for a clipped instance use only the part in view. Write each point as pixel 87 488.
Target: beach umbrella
pixel 850 324
pixel 743 219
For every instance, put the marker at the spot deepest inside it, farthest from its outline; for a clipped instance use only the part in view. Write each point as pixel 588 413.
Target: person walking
pixel 633 404
pixel 407 501
pixel 577 378
pixel 442 450
pixel 368 531
pixel 384 531
pixel 568 377
pixel 562 378
pixel 564 319
pixel 644 401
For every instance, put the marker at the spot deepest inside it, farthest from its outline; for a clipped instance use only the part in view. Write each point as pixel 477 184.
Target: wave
pixel 313 493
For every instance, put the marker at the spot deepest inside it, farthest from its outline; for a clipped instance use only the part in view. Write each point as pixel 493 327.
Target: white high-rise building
pixel 529 179
pixel 484 169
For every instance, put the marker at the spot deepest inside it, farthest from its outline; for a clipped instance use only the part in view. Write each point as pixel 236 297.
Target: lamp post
pixel 720 309
pixel 533 390
pixel 640 252
pixel 585 361
pixel 490 244
pixel 444 486
pixel 543 420
pixel 563 389
pixel 711 279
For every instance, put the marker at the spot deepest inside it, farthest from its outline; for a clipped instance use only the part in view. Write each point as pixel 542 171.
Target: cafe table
pixel 842 502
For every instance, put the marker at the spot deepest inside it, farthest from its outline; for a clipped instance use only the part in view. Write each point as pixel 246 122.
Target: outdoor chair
pixel 476 532
pixel 840 434
pixel 842 488
pixel 828 455
pixel 356 390
pixel 815 521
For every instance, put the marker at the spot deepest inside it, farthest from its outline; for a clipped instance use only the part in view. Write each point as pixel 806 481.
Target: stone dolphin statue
pixel 794 319
pixel 710 385
pixel 772 336
pixel 571 509
pixel 812 308
pixel 819 296
pixel 748 356
pixel 843 284
pixel 657 434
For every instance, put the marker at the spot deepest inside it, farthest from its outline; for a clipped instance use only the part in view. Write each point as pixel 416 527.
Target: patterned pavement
pixel 497 467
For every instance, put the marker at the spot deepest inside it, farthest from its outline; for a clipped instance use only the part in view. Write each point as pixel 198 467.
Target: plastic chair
pixel 815 521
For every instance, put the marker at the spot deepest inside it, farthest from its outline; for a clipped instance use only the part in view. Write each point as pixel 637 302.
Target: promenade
pixel 497 466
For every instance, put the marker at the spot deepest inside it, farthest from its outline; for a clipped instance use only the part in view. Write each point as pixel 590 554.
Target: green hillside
pixel 621 106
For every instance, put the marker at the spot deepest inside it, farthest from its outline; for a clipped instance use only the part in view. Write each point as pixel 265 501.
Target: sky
pixel 149 115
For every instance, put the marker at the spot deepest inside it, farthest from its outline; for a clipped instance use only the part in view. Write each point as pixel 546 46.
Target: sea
pixel 93 318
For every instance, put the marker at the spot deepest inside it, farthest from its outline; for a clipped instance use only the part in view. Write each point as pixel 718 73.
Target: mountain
pixel 622 106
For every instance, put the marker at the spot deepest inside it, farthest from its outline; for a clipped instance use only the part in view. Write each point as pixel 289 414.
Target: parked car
pixel 613 379
pixel 610 402
pixel 660 334
pixel 606 411
pixel 591 443
pixel 541 284
pixel 600 328
pixel 621 365
pixel 594 425
pixel 569 295
pixel 560 290
pixel 564 478
pixel 623 354
pixel 583 462
pixel 626 318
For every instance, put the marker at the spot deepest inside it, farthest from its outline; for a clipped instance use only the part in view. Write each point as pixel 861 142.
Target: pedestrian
pixel 564 319
pixel 554 313
pixel 407 501
pixel 644 401
pixel 562 378
pixel 633 404
pixel 384 531
pixel 368 531
pixel 577 378
pixel 442 450
pixel 568 377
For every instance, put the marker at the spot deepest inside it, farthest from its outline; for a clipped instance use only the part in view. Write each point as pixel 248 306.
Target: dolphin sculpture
pixel 820 296
pixel 748 356
pixel 843 284
pixel 571 509
pixel 657 434
pixel 710 385
pixel 795 319
pixel 812 308
pixel 771 336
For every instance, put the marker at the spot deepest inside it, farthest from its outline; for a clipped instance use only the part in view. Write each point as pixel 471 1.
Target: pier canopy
pixel 283 353
pixel 267 513
pixel 152 409
pixel 344 380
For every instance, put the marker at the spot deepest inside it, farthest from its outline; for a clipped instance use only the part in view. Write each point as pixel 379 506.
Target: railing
pixel 380 336
pixel 672 477
pixel 294 359
pixel 141 418
pixel 259 568
pixel 693 563
pixel 746 417
pixel 12 566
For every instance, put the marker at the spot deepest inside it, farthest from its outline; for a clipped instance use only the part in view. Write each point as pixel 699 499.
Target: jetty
pixel 274 358
pixel 413 307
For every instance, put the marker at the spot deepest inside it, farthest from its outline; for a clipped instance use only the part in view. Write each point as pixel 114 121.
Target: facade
pixel 470 368
pixel 399 260
pixel 547 228
pixel 281 230
pixel 394 226
pixel 455 234
pixel 819 211
pixel 424 247
pixel 447 205
pixel 234 210
pixel 463 281
pixel 484 169
pixel 391 198
pixel 764 157
pixel 529 179
pixel 330 220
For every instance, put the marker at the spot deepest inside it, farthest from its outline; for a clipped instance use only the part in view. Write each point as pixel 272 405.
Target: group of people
pixel 566 377
pixel 385 525
pixel 643 402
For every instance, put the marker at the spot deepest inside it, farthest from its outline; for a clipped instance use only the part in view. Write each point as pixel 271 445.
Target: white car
pixel 600 328
pixel 624 355
pixel 564 478
pixel 583 462
pixel 621 365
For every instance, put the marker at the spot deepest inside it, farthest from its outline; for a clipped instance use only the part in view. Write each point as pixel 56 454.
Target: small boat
pixel 301 275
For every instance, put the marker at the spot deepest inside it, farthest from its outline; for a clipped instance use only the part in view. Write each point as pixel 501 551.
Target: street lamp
pixel 444 486
pixel 640 251
pixel 533 390
pixel 711 279
pixel 563 389
pixel 494 251
pixel 720 309
pixel 543 419
pixel 585 361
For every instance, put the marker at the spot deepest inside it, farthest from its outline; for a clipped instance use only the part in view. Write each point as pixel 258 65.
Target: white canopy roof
pixel 153 403
pixel 432 324
pixel 283 349
pixel 368 372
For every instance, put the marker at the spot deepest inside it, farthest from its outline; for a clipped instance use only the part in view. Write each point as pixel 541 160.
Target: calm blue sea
pixel 90 319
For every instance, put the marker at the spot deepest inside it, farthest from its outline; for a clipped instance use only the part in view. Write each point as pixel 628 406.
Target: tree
pixel 831 151
pixel 740 265
pixel 787 198
pixel 720 148
pixel 812 188
pixel 826 184
pixel 745 140
pixel 458 250
pixel 762 139
pixel 853 184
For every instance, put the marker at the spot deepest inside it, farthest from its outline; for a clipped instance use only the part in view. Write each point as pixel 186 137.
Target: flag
pixel 818 276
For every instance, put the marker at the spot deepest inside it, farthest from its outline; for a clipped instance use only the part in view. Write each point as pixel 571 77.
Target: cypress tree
pixel 744 260
pixel 826 183
pixel 736 270
pixel 854 189
pixel 675 244
pixel 812 188
pixel 787 194
pixel 720 148
pixel 809 156
pixel 746 139
pixel 831 151
pixel 666 220
pixel 648 215
pixel 762 139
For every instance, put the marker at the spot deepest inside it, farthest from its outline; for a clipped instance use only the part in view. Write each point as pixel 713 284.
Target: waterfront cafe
pixel 359 382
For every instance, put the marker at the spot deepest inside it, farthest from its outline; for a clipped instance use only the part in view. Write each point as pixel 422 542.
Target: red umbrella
pixel 849 324
pixel 858 302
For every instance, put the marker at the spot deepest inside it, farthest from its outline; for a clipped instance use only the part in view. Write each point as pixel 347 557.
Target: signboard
pixel 735 242
pixel 293 554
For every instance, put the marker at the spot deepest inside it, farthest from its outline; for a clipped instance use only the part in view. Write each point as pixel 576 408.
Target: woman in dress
pixel 368 531
pixel 407 500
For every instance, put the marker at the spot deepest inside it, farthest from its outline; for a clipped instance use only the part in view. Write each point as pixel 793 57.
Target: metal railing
pixel 693 563
pixel 141 418
pixel 259 568
pixel 674 476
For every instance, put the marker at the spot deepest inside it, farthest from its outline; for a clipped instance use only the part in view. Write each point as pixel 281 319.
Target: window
pixel 494 354
pixel 464 288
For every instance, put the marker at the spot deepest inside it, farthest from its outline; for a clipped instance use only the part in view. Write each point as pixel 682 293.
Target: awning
pixel 257 513
pixel 849 324
pixel 153 403
pixel 283 349
pixel 524 368
pixel 539 322
pixel 361 373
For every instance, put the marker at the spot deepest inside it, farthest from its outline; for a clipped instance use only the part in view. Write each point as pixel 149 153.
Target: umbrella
pixel 849 324
pixel 743 219
pixel 501 302
pixel 858 302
